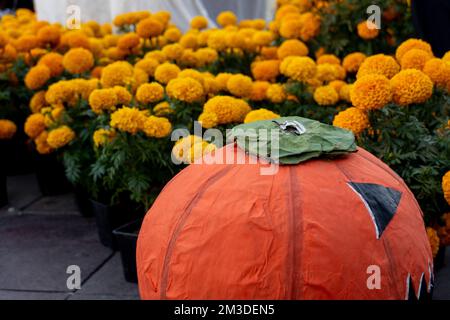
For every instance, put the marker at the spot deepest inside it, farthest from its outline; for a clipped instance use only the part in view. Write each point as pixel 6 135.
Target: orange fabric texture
pixel 227 232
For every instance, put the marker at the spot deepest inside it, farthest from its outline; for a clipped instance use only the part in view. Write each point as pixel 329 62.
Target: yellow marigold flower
pixel 189 40
pixel 162 109
pixel 37 77
pixel 285 9
pixel 118 73
pixel 128 41
pixel 226 18
pixel 337 85
pixel 353 61
pixel 446 186
pixel 291 28
pixel 310 26
pixel 415 59
pixel 367 30
pixel 227 109
pixel 379 64
pixel 172 34
pixel 222 79
pixel 411 86
pixel 173 51
pixel 127 119
pixel 412 44
pixel 371 92
pixel 217 40
pixel 439 71
pixel 235 40
pixel 26 43
pixel 327 72
pixel 259 115
pixel 157 127
pixel 185 89
pixel 49 34
pixel 139 77
pixel 326 96
pixel 76 39
pixel 42 147
pixel 301 69
pixel 328 58
pixel 60 137
pixel 259 90
pixel 149 28
pixel 53 61
pixel 166 72
pixel 263 38
pixel 150 93
pixel 37 102
pixel 188 58
pixel 206 56
pixel 124 96
pixel 208 120
pixel 434 241
pixel 158 55
pixel 7 129
pixel 267 70
pixel 149 65
pixel 102 100
pixel 78 60
pixel 199 23
pixel 276 93
pixel 240 85
pixel 353 119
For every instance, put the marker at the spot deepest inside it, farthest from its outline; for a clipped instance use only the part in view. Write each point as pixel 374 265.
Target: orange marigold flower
pixel 150 93
pixel 103 99
pixel 412 44
pixel 415 59
pixel 53 61
pixel 60 137
pixel 260 115
pixel 37 77
pixel 7 129
pixel 439 72
pixel 326 96
pixel 208 120
pixel 185 89
pixel 128 41
pixel 267 70
pixel 226 18
pixel 353 61
pixel 166 72
pixel 37 102
pixel 127 119
pixel 34 125
pixel 78 60
pixel 328 58
pixel 156 127
pixel 434 241
pixel 149 28
pixel 276 93
pixel 379 64
pixel 301 69
pixel 371 92
pixel 42 147
pixel 367 30
pixel 292 47
pixel 259 90
pixel 118 73
pixel 353 119
pixel 199 22
pixel 240 85
pixel 446 186
pixel 411 86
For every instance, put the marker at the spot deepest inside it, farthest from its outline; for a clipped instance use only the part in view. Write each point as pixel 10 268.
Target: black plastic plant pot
pixel 83 202
pixel 16 155
pixel 3 190
pixel 126 237
pixel 50 175
pixel 439 260
pixel 108 218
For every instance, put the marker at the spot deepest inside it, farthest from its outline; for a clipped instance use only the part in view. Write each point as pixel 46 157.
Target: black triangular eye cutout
pixel 381 203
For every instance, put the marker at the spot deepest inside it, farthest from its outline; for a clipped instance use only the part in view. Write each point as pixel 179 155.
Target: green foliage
pixel 419 155
pixel 134 165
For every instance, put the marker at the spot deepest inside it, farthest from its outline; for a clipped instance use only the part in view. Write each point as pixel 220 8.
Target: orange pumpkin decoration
pixel 312 231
